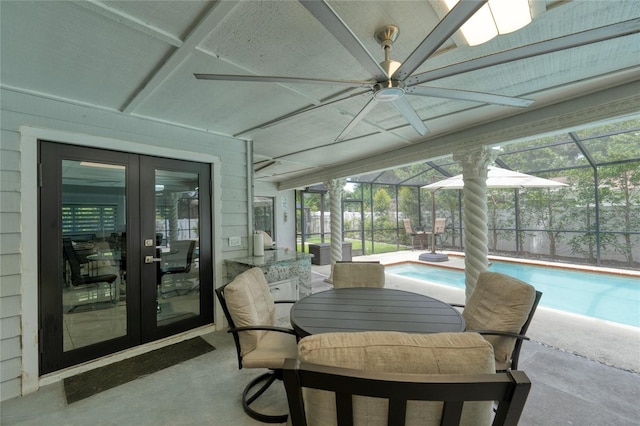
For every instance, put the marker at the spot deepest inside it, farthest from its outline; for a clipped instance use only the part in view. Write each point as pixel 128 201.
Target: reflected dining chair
pixel 501 308
pixel 391 378
pixel 358 274
pixel 80 281
pixel 177 261
pixel 251 313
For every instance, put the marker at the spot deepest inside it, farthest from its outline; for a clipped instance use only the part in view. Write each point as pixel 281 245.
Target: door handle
pixel 151 259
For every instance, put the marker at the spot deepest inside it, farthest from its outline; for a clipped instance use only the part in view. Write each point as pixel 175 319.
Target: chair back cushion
pixel 407 226
pixel 394 352
pixel 250 303
pixel 501 303
pixel 439 225
pixel 358 274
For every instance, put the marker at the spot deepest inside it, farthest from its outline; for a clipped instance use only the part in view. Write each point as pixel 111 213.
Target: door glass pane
pixel 94 252
pixel 263 215
pixel 177 246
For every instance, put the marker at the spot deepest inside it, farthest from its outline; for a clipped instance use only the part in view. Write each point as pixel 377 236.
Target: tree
pixel 618 186
pixel 623 195
pixel 385 229
pixel 381 202
pixel 547 208
pixel 583 190
pixel 499 216
pixel 408 203
pixel 542 208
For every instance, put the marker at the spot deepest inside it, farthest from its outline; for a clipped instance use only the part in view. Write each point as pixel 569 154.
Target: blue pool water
pixel 605 296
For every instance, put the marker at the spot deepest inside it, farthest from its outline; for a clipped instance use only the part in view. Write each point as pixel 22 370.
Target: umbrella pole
pixel 433 256
pixel 517 208
pixel 433 222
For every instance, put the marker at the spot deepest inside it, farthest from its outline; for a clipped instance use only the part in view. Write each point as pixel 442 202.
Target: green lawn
pixel 356 246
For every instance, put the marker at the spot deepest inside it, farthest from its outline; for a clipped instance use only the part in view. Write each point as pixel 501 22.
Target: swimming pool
pixel 605 296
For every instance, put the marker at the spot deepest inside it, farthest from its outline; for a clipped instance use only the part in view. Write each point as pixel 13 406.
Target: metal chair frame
pixel 248 395
pixel 508 390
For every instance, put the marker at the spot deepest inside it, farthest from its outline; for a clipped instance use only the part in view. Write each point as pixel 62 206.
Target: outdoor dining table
pixel 373 309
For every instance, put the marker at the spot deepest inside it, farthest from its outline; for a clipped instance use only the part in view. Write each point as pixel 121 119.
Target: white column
pixel 335 187
pixel 174 198
pixel 474 214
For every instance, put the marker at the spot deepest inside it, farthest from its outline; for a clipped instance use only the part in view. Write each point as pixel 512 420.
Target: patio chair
pixel 416 236
pixel 358 274
pixel 391 378
pixel 250 311
pixel 501 308
pixel 437 232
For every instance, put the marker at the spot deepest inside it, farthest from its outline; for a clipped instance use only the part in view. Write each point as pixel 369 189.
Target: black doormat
pixel 95 381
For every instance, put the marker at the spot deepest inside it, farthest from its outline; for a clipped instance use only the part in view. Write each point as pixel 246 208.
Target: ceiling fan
pixel 392 80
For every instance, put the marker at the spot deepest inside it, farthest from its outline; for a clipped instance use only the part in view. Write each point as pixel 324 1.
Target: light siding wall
pixel 232 200
pixel 10 284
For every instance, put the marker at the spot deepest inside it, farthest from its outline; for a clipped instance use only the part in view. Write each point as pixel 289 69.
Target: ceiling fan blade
pixel 358 118
pixel 279 120
pixel 583 38
pixel 465 95
pixel 410 114
pixel 286 80
pixel 332 22
pixel 441 33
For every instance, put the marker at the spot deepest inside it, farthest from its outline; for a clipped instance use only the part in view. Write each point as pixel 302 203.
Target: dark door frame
pixel 50 235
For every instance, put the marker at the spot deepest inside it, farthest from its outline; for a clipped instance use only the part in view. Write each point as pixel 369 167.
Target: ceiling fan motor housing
pixel 389 90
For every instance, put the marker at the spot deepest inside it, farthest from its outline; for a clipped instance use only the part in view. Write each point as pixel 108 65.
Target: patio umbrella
pixel 497 177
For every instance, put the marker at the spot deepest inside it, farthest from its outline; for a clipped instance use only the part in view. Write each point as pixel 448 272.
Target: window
pixel 89 218
pixel 263 215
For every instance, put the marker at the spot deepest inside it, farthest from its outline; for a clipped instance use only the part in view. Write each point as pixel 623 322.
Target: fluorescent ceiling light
pixel 495 17
pixel 102 165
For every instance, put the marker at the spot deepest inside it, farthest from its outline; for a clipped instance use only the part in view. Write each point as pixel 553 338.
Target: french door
pixel 124 251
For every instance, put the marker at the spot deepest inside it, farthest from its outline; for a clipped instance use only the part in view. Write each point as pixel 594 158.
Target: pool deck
pixel 609 343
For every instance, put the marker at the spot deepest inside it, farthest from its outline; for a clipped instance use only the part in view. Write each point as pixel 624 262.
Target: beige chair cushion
pixel 499 302
pixel 358 274
pixel 250 303
pixel 442 353
pixel 272 349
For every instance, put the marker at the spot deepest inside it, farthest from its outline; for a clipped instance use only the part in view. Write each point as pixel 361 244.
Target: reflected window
pixel 263 215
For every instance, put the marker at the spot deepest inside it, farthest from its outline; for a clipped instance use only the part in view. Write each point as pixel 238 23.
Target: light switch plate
pixel 234 241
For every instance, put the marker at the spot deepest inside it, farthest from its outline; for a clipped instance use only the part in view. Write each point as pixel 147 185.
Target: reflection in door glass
pixel 177 246
pixel 94 253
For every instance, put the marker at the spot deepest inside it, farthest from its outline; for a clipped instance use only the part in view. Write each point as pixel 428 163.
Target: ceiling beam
pixel 201 30
pixel 130 21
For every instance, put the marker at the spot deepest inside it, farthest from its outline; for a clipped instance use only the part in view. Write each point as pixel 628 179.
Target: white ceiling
pixel 139 57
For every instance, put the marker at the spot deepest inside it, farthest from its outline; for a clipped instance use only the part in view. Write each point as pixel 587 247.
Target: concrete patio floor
pixel 584 372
